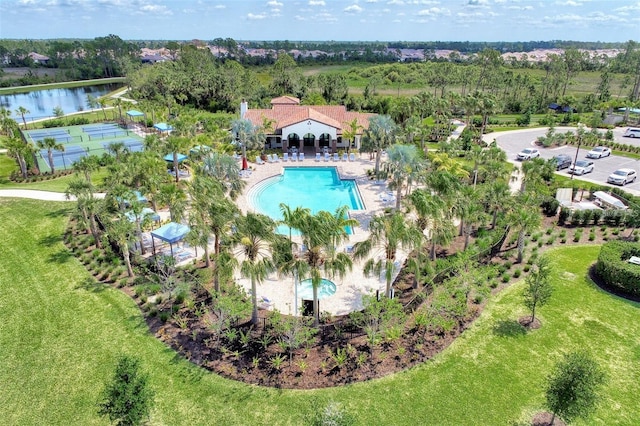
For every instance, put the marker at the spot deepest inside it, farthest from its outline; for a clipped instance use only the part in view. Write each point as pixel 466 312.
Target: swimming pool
pixel 316 188
pixel 305 289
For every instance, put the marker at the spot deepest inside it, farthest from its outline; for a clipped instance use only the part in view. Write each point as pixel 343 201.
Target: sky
pixel 339 20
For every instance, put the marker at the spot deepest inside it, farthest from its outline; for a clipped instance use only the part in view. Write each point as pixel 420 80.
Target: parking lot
pixel 514 141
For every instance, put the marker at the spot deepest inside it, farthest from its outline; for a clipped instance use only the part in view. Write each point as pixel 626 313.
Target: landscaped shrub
pixel 506 277
pixel 615 270
pixel 576 217
pixel 577 235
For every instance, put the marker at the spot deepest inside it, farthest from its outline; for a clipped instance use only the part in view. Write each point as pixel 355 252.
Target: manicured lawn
pixel 60 336
pixel 7 165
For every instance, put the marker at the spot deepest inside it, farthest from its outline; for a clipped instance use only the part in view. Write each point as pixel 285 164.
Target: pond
pixel 41 103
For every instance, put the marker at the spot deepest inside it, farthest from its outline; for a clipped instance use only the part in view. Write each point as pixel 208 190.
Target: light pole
pixel 579 133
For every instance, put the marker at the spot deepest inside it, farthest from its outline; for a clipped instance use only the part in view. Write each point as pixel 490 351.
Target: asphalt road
pixel 514 141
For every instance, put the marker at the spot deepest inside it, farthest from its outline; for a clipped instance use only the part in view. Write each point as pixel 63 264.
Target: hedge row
pixel 615 270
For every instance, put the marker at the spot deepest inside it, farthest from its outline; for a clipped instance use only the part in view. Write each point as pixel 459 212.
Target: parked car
pixel 622 177
pixel 562 161
pixel 528 154
pixel 632 132
pixel 582 167
pixel 599 152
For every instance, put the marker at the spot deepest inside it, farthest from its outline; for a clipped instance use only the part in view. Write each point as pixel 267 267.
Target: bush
pixel 615 270
pixel 506 277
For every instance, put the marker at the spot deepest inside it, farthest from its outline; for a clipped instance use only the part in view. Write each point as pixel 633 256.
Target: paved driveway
pixel 514 141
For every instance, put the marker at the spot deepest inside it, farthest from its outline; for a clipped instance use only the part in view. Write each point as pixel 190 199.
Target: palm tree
pixel 86 166
pixel 525 218
pixel 6 123
pixel 224 168
pixel 253 239
pixel 22 111
pixel 175 144
pixel 379 135
pixel 402 164
pixel 173 196
pixel 211 212
pixel 351 130
pixel 20 151
pixel 434 218
pixel 103 103
pixel 117 149
pixel 50 144
pixel 121 231
pixel 322 233
pixel 388 233
pixel 496 197
pixel 88 205
pixel 247 135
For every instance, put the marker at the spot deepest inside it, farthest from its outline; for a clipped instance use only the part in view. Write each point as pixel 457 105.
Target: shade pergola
pixel 146 212
pixel 163 127
pixel 169 158
pixel 171 233
pixel 134 113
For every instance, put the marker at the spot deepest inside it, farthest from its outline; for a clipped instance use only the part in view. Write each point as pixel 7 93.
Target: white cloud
pixel 353 9
pixel 520 7
pixel 325 17
pixel 220 6
pixel 317 3
pixel 568 3
pixel 300 18
pixel 396 2
pixel 155 8
pixel 274 3
pixel 478 3
pixel 254 17
pixel 434 11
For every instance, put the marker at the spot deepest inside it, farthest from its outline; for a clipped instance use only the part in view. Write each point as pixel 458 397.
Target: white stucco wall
pixel 309 126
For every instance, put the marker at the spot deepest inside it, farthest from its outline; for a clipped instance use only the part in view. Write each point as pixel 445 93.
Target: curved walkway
pixel 39 195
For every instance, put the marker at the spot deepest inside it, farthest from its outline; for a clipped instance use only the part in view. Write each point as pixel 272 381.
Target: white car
pixel 599 152
pixel 622 177
pixel 632 132
pixel 581 167
pixel 528 154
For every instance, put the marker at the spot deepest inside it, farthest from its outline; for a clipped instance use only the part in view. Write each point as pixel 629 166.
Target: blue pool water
pixel 305 289
pixel 316 188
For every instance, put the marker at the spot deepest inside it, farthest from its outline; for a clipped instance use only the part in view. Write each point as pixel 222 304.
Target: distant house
pixel 38 58
pixel 152 58
pixel 306 126
pixel 562 108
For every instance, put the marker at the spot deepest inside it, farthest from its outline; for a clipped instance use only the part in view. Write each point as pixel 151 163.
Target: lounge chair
pixel 326 156
pixel 317 156
pixel 285 156
pixel 301 157
pixel 275 157
pixel 245 173
pixel 336 156
pixel 269 158
pixel 345 157
pixel 259 160
pixel 294 156
pixel 352 157
pixel 264 303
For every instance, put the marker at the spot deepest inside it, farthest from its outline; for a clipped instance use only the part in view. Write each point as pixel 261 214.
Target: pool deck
pixel 348 297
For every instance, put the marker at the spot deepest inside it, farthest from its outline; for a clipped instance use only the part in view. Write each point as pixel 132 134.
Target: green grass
pixel 64 85
pixel 60 335
pixel 7 165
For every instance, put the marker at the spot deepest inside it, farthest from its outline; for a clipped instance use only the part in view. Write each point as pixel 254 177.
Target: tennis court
pixel 80 141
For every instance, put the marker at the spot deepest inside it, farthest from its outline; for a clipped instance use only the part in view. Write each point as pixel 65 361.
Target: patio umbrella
pixel 245 166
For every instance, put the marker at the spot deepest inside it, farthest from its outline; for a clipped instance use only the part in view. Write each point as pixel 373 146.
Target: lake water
pixel 41 103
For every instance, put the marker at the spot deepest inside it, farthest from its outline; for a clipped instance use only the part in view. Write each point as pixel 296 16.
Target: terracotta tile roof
pixel 335 116
pixel 285 100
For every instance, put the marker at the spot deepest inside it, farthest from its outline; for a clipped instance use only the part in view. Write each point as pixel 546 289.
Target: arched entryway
pixel 293 140
pixel 325 140
pixel 309 139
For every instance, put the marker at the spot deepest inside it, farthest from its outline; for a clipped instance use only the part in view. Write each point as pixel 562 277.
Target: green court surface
pixel 80 141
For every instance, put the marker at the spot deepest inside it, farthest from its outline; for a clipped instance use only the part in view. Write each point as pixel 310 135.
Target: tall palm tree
pixel 351 130
pixel 173 196
pixel 388 233
pixel 88 205
pixel 224 168
pixel 22 111
pixel 6 122
pixel 322 233
pixel 121 231
pixel 497 195
pixel 19 150
pixel 86 166
pixel 253 241
pixel 174 145
pixel 50 144
pixel 247 135
pixel 434 218
pixel 211 213
pixel 403 163
pixel 379 135
pixel 525 218
pixel 118 149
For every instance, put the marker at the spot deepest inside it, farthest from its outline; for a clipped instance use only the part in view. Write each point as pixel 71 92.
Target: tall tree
pixel 50 144
pixel 573 387
pixel 388 233
pixel 21 151
pixel 224 168
pixel 538 288
pixel 247 135
pixel 525 217
pixel 127 399
pixel 253 239
pixel 379 135
pixel 88 205
pixel 403 165
pixel 22 111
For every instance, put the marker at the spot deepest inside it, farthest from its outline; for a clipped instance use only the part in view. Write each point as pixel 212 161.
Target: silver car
pixel 581 167
pixel 528 154
pixel 622 177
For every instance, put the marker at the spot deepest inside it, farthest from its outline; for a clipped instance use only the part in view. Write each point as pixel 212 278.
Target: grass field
pixel 60 335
